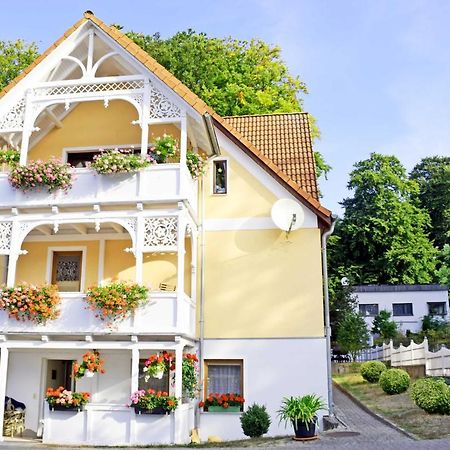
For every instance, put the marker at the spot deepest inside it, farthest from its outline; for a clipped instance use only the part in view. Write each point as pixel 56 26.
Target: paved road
pixel 363 432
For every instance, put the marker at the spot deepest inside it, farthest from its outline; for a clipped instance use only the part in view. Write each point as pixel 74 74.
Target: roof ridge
pixel 269 114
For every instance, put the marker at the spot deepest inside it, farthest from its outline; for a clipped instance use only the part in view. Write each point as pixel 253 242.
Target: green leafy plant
pixel 29 302
pixel 301 409
pixel 432 395
pixel 91 362
pixel 116 301
pixel 119 161
pixel 195 163
pixel 384 326
pixel 352 334
pixel 190 374
pixel 255 421
pixel 371 370
pixel 223 400
pixel 156 364
pixel 164 149
pixel 63 397
pixel 50 175
pixel 394 381
pixel 9 156
pixel 152 399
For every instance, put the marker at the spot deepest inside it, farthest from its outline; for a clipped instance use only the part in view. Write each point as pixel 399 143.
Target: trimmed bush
pixel 432 395
pixel 394 381
pixel 255 421
pixel 371 370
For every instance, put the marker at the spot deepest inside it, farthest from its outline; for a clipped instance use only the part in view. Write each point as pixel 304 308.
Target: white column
pixel 183 152
pixel 181 252
pixel 139 242
pixel 3 375
pixel 16 243
pixel 101 261
pixel 179 371
pixel 27 128
pixel 134 369
pixel 145 116
pixel 194 265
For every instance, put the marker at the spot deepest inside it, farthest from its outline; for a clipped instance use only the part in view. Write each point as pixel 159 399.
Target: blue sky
pixel 378 71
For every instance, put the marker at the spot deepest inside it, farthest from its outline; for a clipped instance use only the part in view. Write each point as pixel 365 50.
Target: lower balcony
pixel 165 313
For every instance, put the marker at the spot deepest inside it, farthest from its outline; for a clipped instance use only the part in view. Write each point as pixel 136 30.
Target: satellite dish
pixel 344 281
pixel 287 215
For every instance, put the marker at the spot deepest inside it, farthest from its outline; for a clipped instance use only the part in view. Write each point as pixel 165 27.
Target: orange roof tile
pixel 286 140
pixel 198 104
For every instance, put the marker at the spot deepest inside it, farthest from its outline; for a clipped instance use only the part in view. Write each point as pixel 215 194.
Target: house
pixel 407 303
pixel 225 283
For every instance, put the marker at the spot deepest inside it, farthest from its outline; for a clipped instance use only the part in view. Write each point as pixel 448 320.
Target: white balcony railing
pixel 162 182
pixel 166 312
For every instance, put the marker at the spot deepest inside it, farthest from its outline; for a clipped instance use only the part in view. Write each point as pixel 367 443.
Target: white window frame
pixel 67 248
pixel 368 304
pixel 227 180
pixel 92 148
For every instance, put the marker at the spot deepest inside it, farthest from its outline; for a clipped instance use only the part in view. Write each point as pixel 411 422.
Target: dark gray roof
pixel 400 287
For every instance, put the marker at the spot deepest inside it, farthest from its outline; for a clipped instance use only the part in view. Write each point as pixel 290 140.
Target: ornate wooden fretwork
pixel 160 232
pixel 5 237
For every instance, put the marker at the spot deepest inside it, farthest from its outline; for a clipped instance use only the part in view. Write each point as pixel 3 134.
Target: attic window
pixel 220 177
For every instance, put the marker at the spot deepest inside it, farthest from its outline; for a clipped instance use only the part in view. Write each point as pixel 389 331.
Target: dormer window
pixel 220 177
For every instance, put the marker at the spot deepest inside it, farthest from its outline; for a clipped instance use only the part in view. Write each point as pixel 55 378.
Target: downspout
pixel 326 300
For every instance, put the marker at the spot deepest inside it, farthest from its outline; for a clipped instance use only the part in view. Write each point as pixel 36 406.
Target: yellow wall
pixel 246 197
pixel 32 268
pixel 258 284
pixel 90 124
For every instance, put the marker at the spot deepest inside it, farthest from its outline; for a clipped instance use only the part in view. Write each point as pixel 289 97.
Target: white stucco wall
pixel 419 299
pixel 273 369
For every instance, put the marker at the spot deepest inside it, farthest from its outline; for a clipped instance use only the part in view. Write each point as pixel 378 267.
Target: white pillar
pixel 181 232
pixel 12 264
pixel 27 128
pixel 134 387
pixel 139 242
pixel 101 261
pixel 194 265
pixel 183 151
pixel 145 116
pixel 3 375
pixel 179 371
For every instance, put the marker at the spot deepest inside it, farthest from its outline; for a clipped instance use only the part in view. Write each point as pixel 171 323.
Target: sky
pixel 378 71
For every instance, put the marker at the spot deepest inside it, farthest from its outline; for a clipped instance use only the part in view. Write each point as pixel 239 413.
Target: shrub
pixel 9 156
pixel 116 301
pixel 51 175
pixel 255 421
pixel 371 370
pixel 432 395
pixel 394 381
pixel 118 161
pixel 164 149
pixel 28 302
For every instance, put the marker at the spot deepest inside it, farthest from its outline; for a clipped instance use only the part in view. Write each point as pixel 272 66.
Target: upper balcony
pixel 157 183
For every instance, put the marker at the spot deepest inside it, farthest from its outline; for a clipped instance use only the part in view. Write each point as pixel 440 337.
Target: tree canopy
pixel 383 235
pixel 433 176
pixel 14 57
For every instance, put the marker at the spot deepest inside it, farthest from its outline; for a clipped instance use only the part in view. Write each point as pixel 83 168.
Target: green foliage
pixel 322 168
pixel 14 57
pixel 352 334
pixel 384 326
pixel 255 421
pixel 443 272
pixel 371 370
pixel 118 161
pixel 9 156
pixel 301 409
pixel 433 176
pixel 383 235
pixel 432 395
pixel 431 323
pixel 394 381
pixel 164 149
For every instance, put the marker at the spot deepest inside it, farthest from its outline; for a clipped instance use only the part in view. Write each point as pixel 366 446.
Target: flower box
pixel 222 409
pixel 157 410
pixel 78 408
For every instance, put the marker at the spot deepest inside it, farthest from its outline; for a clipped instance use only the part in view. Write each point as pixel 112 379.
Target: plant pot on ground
pixel 302 413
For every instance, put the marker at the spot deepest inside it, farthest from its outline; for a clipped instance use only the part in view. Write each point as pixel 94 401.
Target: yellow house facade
pixel 224 281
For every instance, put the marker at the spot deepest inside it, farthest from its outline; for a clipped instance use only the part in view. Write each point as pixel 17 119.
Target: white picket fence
pixel 436 363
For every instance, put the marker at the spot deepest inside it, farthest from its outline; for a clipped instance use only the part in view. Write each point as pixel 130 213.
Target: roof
pixel 196 103
pixel 286 140
pixel 400 287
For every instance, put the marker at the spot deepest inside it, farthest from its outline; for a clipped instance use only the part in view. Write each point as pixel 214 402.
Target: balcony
pixel 165 313
pixel 158 183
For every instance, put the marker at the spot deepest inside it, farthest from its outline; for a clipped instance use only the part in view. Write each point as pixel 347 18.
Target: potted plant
pixel 91 365
pixel 9 157
pixel 223 403
pixel 152 402
pixel 157 364
pixel 164 149
pixel 116 301
pixel 189 374
pixel 113 161
pixel 302 413
pixel 195 163
pixel 51 175
pixel 37 304
pixel 60 399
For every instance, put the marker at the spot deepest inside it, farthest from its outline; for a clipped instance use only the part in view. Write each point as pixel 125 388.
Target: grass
pixel 399 408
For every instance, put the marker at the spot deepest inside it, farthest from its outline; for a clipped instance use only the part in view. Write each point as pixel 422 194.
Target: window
pixel 66 270
pixel 223 376
pixel 80 159
pixel 437 308
pixel 402 309
pixel 220 177
pixel 369 309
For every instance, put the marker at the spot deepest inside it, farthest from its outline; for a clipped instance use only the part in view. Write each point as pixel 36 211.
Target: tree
pixel 433 176
pixel 234 77
pixel 443 273
pixel 383 235
pixel 384 326
pixel 14 57
pixel 352 335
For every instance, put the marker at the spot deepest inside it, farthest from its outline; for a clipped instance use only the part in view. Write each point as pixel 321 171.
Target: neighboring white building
pixel 407 303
